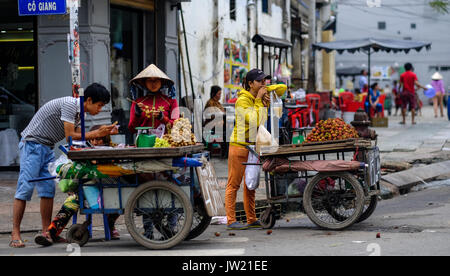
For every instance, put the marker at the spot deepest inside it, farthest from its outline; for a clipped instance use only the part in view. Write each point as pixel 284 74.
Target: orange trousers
pixel 236 171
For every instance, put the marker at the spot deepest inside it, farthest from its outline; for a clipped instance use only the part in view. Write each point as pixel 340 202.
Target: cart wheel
pixel 158 215
pixel 201 220
pixel 334 201
pixel 268 219
pixel 369 208
pixel 78 233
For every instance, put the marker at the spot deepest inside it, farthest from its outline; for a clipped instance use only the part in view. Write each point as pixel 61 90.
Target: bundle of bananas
pixel 161 143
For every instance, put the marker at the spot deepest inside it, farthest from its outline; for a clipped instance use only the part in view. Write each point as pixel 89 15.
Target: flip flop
pixel 16 244
pixel 43 240
pixel 402 123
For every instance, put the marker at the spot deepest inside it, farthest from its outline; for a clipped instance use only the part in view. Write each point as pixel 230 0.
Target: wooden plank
pixel 322 147
pixel 209 185
pixel 133 153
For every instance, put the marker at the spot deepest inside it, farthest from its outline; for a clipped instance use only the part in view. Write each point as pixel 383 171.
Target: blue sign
pixel 42 7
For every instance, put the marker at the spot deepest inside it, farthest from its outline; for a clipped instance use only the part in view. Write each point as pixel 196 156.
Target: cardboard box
pixel 380 122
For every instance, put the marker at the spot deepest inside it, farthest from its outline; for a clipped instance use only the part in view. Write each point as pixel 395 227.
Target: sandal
pixel 115 235
pixel 43 239
pixel 16 244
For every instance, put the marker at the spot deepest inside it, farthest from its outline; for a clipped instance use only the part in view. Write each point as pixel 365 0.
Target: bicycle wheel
pixel 201 220
pixel 78 234
pixel 369 207
pixel 334 201
pixel 158 215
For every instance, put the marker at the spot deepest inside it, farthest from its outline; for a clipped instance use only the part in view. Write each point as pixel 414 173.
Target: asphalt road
pixel 415 224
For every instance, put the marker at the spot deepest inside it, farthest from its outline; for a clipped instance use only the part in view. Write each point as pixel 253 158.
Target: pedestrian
pixel 250 113
pixel 408 83
pixel 397 97
pixel 388 101
pixel 363 82
pixel 438 99
pixel 56 120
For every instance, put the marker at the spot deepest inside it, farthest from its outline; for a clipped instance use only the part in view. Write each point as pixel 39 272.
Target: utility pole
pixel 312 39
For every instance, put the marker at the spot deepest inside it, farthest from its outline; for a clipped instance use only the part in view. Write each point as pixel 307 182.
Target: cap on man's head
pixel 257 74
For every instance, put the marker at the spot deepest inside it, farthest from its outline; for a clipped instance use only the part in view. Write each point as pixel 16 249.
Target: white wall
pixel 199 20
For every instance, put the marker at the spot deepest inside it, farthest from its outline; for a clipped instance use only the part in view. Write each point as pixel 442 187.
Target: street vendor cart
pixel 316 178
pixel 159 206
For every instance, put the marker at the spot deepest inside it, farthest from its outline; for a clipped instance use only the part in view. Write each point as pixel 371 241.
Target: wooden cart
pixel 160 213
pixel 332 200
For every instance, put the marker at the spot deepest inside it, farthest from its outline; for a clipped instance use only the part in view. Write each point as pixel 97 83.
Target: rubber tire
pixel 173 188
pixel 369 211
pixel 269 223
pixel 204 223
pixel 359 205
pixel 70 235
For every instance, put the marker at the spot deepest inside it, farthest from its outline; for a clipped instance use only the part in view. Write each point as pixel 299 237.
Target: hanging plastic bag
pixel 159 131
pixel 277 105
pixel 252 172
pixel 264 139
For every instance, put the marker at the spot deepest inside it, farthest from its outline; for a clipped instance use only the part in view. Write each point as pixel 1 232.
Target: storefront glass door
pixel 18 93
pixel 126 60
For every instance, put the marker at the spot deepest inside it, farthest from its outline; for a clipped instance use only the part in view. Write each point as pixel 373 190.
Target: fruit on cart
pixel 331 130
pixel 162 143
pixel 181 134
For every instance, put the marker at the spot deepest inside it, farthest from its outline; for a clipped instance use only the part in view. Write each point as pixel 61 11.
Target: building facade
pixel 118 38
pixel 396 19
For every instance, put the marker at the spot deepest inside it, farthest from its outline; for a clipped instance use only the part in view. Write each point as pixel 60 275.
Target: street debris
pixel 378 235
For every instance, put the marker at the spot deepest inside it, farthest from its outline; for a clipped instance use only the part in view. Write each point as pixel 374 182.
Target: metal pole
pixel 74 54
pixel 187 51
pixel 368 71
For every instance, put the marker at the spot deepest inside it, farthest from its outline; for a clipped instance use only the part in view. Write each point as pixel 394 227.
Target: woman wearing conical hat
pixel 438 99
pixel 155 108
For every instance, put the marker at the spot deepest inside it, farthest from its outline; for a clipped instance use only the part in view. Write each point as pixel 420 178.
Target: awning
pixel 349 71
pixel 367 44
pixel 271 41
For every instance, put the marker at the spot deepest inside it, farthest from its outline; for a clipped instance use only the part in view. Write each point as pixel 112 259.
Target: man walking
pixel 56 120
pixel 408 83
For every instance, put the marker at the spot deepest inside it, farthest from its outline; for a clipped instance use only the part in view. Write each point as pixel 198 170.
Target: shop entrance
pixel 18 85
pixel 132 39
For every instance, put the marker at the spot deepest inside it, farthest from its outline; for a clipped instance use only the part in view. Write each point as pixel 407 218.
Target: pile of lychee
pixel 331 130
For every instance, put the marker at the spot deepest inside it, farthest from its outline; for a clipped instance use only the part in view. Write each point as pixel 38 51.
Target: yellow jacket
pixel 249 115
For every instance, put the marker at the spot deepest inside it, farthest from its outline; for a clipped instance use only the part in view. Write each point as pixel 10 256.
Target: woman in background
pixel 438 99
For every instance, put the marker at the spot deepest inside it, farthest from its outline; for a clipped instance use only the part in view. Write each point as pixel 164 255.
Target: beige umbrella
pixel 151 72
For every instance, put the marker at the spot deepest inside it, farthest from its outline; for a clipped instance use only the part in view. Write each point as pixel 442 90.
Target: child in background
pixel 388 100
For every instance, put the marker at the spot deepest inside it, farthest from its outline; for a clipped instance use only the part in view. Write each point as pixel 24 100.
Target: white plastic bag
pixel 252 172
pixel 159 131
pixel 264 139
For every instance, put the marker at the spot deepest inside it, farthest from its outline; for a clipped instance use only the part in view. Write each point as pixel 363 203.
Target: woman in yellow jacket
pixel 251 112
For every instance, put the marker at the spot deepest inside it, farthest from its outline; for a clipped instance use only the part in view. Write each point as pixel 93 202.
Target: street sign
pixel 42 7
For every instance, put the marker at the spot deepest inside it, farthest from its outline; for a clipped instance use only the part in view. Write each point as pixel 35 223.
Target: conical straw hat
pixel 151 72
pixel 436 76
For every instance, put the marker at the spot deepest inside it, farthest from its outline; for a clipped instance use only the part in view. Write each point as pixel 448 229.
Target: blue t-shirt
pixel 372 96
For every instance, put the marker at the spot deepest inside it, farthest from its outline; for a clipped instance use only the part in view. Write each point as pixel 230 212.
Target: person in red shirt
pixel 155 108
pixel 408 83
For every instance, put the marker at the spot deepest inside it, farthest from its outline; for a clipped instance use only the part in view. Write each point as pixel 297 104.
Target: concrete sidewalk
pixel 425 143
